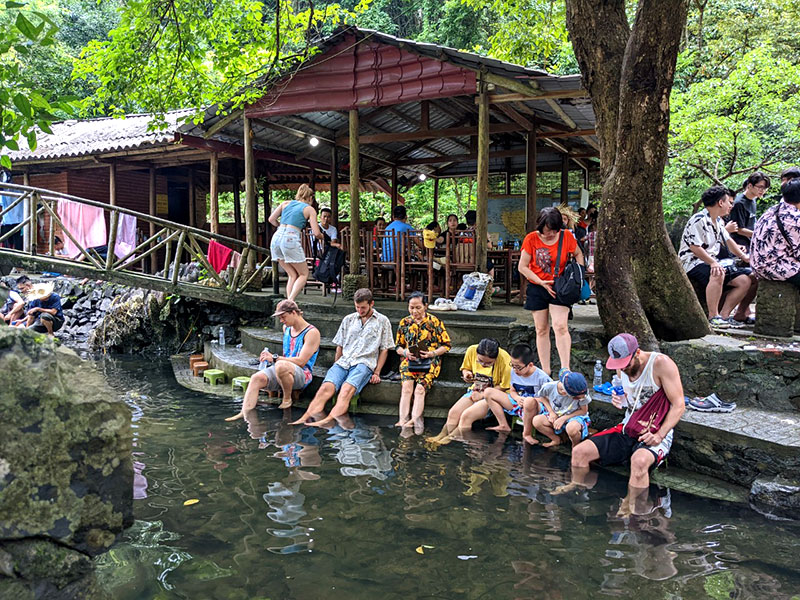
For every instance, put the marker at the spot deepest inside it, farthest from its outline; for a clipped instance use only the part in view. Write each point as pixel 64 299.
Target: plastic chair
pixel 214 376
pixel 194 359
pixel 240 382
pixel 199 367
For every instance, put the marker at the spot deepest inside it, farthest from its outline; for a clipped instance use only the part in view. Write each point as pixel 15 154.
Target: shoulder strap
pixel 558 253
pixel 792 250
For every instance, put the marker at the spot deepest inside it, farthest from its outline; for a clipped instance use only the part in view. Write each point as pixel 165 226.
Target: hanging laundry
pixel 13 217
pixel 235 260
pixel 218 255
pixel 126 235
pixel 87 224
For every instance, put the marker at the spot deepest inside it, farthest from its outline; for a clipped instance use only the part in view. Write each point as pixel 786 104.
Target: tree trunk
pixel 641 286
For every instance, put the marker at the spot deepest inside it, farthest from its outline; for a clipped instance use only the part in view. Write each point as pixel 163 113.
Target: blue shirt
pixel 388 246
pixel 17 214
pixel 52 301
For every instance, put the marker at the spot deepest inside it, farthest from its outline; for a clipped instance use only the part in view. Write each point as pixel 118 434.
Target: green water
pixel 291 512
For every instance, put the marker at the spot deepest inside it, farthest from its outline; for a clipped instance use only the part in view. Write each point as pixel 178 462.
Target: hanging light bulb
pixel 422 177
pixel 313 141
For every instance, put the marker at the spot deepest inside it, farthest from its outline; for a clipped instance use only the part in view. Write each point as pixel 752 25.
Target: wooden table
pixel 505 259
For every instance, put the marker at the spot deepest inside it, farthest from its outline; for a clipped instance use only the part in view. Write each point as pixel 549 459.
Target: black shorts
pixel 39 327
pixel 537 298
pixel 701 274
pixel 616 447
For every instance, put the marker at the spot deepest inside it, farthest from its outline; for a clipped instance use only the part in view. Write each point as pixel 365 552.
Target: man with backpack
pixel 328 254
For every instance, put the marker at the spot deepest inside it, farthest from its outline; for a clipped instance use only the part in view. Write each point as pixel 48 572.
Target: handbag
pixel 569 284
pixel 422 365
pixel 649 416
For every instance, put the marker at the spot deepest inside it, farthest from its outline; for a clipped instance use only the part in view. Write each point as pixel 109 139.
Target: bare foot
pixel 301 421
pixel 235 417
pixel 323 423
pixel 287 403
pixel 530 440
pixel 567 487
pixel 401 422
pixel 551 444
pixel 419 426
pixel 499 428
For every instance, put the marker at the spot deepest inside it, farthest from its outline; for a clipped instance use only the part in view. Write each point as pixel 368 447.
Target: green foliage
pixel 24 104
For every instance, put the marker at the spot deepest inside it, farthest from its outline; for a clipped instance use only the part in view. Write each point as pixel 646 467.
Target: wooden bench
pixel 777 309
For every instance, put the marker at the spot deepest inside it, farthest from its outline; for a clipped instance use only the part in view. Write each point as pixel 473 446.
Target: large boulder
pixel 66 472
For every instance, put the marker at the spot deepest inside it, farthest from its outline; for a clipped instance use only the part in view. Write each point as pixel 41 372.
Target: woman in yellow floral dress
pixel 421 342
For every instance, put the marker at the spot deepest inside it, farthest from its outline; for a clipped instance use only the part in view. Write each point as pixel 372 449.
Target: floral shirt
pixel 701 231
pixel 429 333
pixel 362 343
pixel 770 255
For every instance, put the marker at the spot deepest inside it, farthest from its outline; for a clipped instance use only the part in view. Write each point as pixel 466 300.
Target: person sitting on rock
pixel 776 251
pixel 290 371
pixel 362 345
pixel 44 310
pixel 14 307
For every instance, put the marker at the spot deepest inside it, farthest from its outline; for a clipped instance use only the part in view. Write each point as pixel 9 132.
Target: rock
pixel 776 497
pixel 106 304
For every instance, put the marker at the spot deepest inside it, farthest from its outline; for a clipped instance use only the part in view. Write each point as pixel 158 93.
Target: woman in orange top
pixel 537 263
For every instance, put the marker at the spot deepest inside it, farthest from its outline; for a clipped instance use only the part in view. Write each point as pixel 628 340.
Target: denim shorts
pixel 287 246
pixel 584 421
pixel 358 376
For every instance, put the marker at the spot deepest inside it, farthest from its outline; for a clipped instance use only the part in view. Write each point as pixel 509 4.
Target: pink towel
pixel 218 255
pixel 235 259
pixel 126 235
pixel 86 223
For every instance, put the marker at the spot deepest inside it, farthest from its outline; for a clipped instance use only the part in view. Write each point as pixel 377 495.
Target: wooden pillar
pixel 313 180
pixel 530 183
pixel 192 199
pixel 267 211
pixel 564 178
pixel 586 178
pixel 436 201
pixel 482 203
pixel 152 212
pixel 251 205
pixel 26 212
pixel 237 204
pixel 355 215
pixel 334 187
pixel 213 187
pixel 394 192
pixel 112 184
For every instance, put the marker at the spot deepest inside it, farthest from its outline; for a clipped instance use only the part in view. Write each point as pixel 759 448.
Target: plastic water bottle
pixel 264 363
pixel 221 336
pixel 616 384
pixel 499 243
pixel 516 244
pixel 598 374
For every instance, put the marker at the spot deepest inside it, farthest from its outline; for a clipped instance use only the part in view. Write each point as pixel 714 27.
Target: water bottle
pixel 516 244
pixel 499 243
pixel 616 384
pixel 598 374
pixel 264 363
pixel 221 335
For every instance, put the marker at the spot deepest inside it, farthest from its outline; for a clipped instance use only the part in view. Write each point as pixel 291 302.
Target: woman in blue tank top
pixel 287 245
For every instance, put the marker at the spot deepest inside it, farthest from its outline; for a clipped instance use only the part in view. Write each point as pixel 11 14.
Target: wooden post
pixel 334 187
pixel 112 184
pixel 192 200
pixel 26 233
pixel 213 187
pixel 237 204
pixel 313 180
pixel 152 211
pixel 394 192
pixel 482 202
pixel 564 178
pixel 267 210
pixel 251 206
pixel 436 201
pixel 530 183
pixel 355 215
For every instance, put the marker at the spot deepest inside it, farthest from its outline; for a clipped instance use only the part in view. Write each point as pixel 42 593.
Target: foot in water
pixel 235 417
pixel 499 428
pixel 551 444
pixel 530 440
pixel 287 403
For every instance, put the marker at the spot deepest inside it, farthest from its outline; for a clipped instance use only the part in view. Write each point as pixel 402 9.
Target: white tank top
pixel 642 389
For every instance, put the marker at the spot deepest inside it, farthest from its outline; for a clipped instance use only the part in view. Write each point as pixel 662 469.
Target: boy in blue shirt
pixel 526 380
pixel 44 311
pixel 399 226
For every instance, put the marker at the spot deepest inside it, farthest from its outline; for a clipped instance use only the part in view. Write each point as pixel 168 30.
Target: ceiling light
pixel 422 177
pixel 313 141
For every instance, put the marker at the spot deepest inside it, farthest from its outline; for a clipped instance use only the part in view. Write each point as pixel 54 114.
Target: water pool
pixel 293 512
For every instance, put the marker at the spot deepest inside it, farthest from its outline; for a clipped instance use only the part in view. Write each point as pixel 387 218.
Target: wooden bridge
pixel 168 245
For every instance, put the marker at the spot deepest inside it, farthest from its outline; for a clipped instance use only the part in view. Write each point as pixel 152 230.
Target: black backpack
pixel 568 285
pixel 330 266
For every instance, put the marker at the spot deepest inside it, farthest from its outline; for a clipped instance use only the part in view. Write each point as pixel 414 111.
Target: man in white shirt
pixel 331 236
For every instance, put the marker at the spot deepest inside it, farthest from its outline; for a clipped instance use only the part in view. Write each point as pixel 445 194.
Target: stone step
pixel 255 339
pixel 236 362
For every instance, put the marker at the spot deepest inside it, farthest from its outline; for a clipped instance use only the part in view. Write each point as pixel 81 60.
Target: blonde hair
pixel 571 216
pixel 304 194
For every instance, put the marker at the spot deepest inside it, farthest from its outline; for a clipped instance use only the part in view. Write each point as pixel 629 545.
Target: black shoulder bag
pixel 567 286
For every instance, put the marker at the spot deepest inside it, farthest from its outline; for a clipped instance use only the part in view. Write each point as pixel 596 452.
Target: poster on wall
pixel 162 204
pixel 507 217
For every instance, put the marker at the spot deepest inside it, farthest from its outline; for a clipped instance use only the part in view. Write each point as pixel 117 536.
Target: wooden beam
pixel 334 187
pixel 222 123
pixel 112 183
pixel 192 200
pixel 251 206
pixel 501 98
pixel 409 136
pixel 515 116
pixel 564 178
pixel 267 209
pixel 560 112
pixel 424 114
pixel 482 203
pixel 152 212
pixel 213 179
pixel 355 215
pixel 565 134
pixel 435 160
pixel 436 200
pixel 394 192
pixel 237 204
pixel 530 183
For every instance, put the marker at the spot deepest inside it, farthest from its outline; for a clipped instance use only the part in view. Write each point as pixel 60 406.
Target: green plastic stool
pixel 214 376
pixel 240 382
pixel 354 402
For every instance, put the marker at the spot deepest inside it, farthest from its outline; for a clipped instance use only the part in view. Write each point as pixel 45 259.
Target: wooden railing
pixel 180 243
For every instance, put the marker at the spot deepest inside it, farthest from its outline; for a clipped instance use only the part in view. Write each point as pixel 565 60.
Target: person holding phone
pixel 421 342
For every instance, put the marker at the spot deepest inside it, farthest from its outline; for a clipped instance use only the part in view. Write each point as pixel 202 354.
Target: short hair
pixel 791 191
pixel 23 279
pixel 461 227
pixel 57 240
pixel 325 209
pixel 304 192
pixel 756 178
pixel 471 217
pixel 379 219
pixel 551 218
pixel 419 295
pixel 581 209
pixel 362 295
pixel 432 225
pixel 790 173
pixel 714 194
pixel 399 212
pixel 489 347
pixel 523 353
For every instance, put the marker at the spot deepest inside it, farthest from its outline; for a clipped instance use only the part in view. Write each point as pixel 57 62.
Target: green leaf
pixel 32 143
pixel 26 28
pixel 5 161
pixel 24 106
pixel 12 145
pixel 10 4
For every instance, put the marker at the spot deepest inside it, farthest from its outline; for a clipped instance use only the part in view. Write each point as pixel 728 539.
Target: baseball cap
pixel 285 306
pixel 621 349
pixel 574 383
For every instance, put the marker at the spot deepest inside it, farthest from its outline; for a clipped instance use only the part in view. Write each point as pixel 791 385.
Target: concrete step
pixel 255 339
pixel 236 362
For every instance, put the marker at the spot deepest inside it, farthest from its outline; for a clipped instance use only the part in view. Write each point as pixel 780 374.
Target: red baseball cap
pixel 621 349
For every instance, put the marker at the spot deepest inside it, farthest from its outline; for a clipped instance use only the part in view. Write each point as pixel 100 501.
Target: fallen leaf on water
pixel 420 550
pixel 190 502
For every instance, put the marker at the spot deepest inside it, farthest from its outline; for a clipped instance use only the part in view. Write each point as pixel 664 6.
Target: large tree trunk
pixel 641 287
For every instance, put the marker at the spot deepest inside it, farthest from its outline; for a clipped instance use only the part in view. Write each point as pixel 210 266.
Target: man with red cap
pixel 653 403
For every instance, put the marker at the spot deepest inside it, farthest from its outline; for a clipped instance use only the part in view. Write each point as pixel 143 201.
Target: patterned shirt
pixel 701 231
pixel 430 333
pixel 770 255
pixel 362 342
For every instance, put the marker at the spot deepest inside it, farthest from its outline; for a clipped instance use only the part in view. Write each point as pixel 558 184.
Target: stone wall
pixel 66 473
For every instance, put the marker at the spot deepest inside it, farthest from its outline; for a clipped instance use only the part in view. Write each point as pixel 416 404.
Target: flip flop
pixel 606 388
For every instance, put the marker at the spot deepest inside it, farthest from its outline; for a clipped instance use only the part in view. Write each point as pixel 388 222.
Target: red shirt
pixel 543 256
